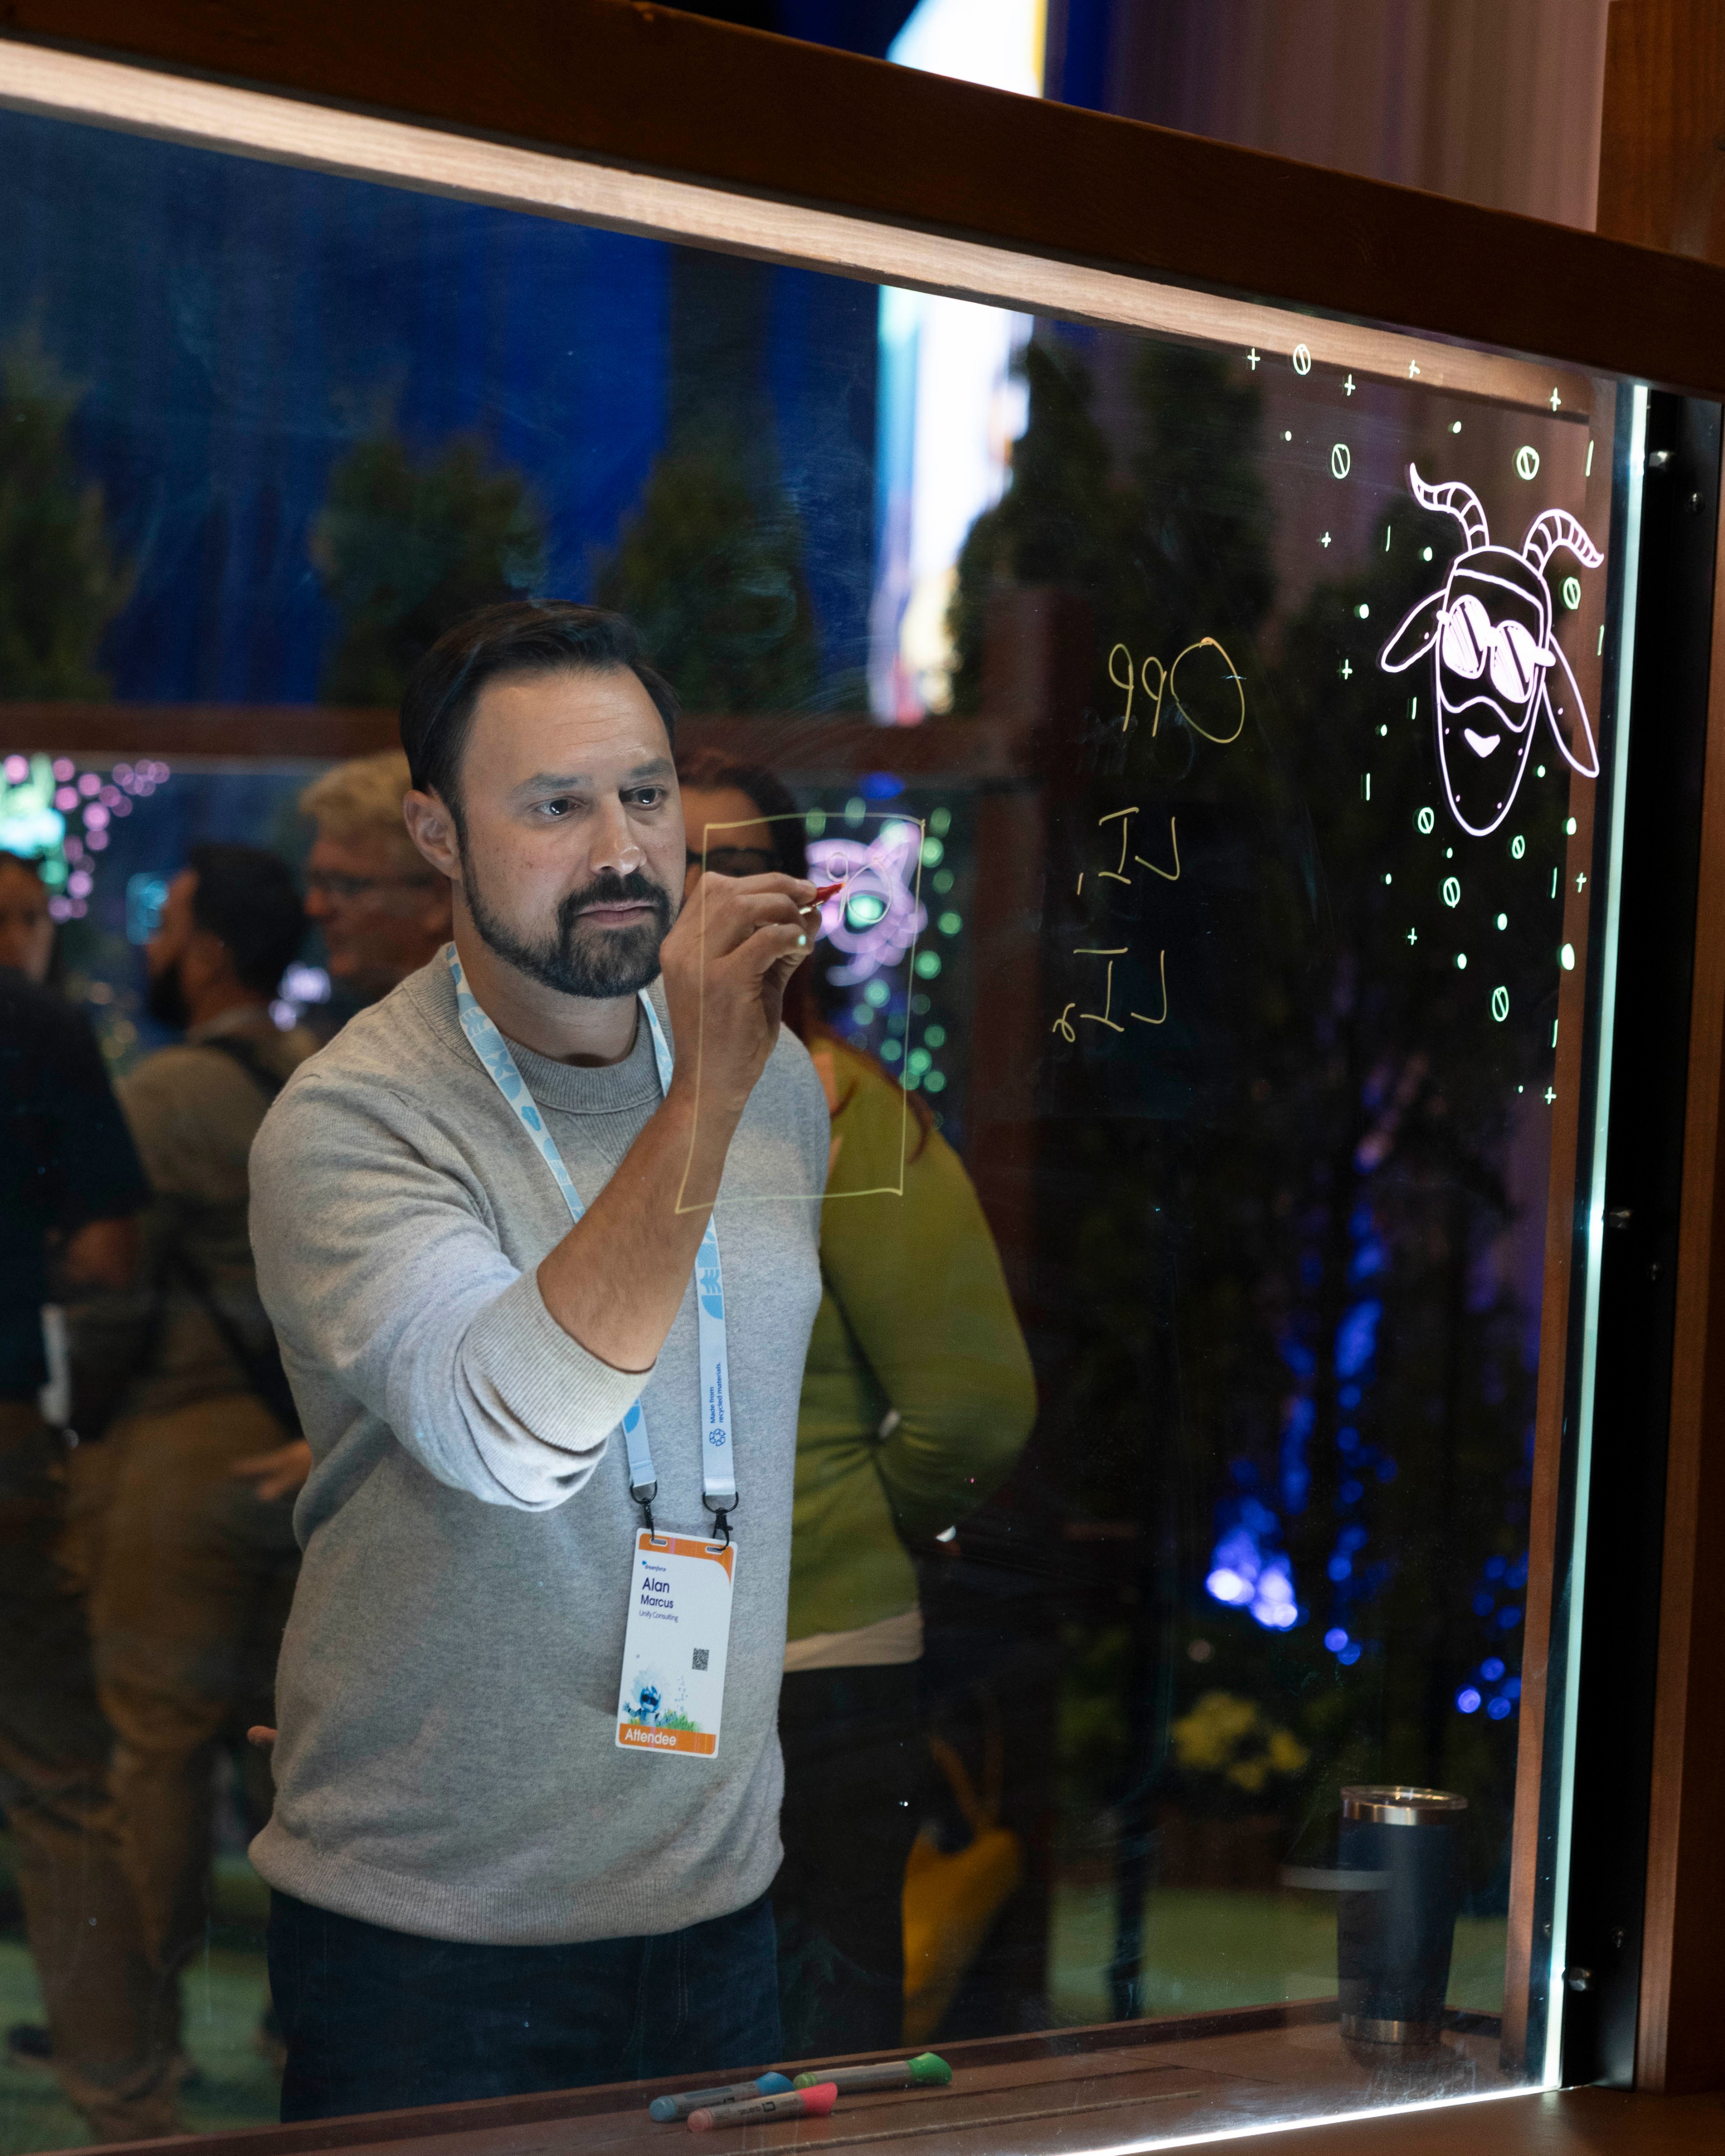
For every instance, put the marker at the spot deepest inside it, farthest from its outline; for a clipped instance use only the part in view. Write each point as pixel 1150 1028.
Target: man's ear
pixel 432 828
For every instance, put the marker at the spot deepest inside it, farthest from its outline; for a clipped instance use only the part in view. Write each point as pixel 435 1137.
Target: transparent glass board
pixel 1211 740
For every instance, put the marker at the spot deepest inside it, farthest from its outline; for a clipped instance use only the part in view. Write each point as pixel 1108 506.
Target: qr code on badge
pixel 700 1658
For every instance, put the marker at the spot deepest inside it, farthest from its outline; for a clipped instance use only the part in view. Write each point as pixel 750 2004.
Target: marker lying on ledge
pixel 797 2103
pixel 927 2070
pixel 664 2108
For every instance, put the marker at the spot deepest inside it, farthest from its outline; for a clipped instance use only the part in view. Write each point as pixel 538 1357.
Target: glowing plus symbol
pixel 1581 883
pixel 1413 369
pixel 1325 541
pixel 1549 1096
pixel 1555 400
pixel 1412 936
pixel 1252 359
pixel 1346 671
pixel 1347 386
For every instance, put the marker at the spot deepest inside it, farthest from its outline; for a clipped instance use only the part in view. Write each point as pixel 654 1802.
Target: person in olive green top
pixel 917 1398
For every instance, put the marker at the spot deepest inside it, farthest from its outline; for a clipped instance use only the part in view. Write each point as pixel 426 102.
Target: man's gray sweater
pixel 447 1763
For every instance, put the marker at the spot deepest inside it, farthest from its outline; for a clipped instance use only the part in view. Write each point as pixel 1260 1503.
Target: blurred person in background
pixel 193 1568
pixel 25 926
pixel 383 915
pixel 917 1398
pixel 382 912
pixel 71 1189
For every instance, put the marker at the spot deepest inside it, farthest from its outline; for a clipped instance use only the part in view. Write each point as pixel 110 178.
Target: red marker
pixel 798 2103
pixel 827 890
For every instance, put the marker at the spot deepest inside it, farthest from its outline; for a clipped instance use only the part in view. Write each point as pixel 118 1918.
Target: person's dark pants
pixel 854 1764
pixel 379 2020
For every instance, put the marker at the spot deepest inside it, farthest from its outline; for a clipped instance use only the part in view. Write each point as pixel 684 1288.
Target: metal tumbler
pixel 1396 1920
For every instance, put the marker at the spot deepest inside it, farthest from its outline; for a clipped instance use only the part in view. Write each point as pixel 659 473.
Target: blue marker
pixel 666 2109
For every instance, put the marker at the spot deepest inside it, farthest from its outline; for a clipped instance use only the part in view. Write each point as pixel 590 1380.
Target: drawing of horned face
pixel 1495 664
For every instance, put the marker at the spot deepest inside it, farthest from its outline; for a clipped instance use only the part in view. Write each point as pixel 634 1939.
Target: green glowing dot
pixel 1570 826
pixel 943 881
pixel 1461 961
pixel 949 924
pixel 934 1083
pixel 933 853
pixel 862 1015
pixel 1566 957
pixel 928 965
pixel 934 1035
pixel 878 993
pixel 941 822
pixel 815 822
pixel 890 1051
pixel 1503 921
pixel 855 808
pixel 919 1060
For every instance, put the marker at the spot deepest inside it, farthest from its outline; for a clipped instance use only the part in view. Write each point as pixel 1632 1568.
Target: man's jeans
pixel 379 2020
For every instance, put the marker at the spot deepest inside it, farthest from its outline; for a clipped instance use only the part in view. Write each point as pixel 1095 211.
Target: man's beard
pixel 603 963
pixel 165 1000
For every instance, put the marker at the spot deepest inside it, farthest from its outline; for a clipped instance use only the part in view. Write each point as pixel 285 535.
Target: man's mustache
pixel 634 888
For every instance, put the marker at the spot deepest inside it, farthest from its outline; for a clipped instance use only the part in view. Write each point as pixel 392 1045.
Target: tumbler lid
pixel 1393 1804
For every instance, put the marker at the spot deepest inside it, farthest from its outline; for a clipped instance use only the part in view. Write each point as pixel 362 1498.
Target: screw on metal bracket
pixel 1578 1980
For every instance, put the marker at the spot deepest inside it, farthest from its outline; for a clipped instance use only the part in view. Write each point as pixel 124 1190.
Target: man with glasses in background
pixel 383 914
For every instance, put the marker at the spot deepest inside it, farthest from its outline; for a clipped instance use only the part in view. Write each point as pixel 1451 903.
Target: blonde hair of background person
pixel 382 912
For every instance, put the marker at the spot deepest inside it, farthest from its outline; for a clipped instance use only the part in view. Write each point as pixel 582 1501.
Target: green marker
pixel 926 2071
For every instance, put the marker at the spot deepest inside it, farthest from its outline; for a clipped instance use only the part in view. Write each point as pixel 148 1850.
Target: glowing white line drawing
pixel 1302 359
pixel 1527 462
pixel 1490 634
pixel 1341 460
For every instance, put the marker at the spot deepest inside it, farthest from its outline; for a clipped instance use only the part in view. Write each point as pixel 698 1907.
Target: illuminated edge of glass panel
pixel 1300 2123
pixel 1596 1238
pixel 87 91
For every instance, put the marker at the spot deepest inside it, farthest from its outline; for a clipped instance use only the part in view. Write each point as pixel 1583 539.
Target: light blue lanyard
pixel 718 1474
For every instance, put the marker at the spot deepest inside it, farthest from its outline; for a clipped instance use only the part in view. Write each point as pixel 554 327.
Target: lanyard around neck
pixel 718 1473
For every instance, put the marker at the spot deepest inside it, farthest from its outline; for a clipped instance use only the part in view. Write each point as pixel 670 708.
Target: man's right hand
pixel 616 1279
pixel 735 945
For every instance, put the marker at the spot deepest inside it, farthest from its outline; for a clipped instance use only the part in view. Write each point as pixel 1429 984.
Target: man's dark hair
pixel 246 897
pixel 520 636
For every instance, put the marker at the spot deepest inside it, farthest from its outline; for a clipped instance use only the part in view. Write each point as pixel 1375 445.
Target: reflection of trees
pixel 1178 535
pixel 1272 1238
pixel 710 568
pixel 406 548
pixel 59 583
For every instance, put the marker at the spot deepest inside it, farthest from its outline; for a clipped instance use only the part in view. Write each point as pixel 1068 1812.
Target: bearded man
pixel 538 1235
pixel 191 1576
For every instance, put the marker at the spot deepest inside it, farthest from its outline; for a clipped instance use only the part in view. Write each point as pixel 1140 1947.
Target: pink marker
pixel 798 2103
